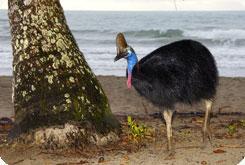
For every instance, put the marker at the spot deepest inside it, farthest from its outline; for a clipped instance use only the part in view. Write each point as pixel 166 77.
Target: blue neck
pixel 132 61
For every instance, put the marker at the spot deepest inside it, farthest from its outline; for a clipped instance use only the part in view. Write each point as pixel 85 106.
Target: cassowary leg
pixel 167 114
pixel 206 130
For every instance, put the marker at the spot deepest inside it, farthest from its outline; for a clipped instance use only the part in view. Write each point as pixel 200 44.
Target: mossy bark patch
pixel 52 81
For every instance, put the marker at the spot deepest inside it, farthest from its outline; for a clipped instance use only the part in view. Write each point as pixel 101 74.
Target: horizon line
pixel 150 10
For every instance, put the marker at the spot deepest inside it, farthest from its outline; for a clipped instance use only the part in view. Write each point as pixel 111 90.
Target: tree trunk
pixel 52 82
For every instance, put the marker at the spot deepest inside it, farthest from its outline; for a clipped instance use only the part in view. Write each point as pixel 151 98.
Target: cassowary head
pixel 122 45
pixel 127 52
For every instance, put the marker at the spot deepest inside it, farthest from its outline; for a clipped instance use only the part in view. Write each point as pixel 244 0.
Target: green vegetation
pixel 137 131
pixel 242 123
pixel 232 128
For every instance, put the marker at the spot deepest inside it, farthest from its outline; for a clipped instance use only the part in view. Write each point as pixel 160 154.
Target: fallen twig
pixel 19 161
pixel 232 146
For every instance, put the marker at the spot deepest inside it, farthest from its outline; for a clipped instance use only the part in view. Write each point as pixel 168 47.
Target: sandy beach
pixel 227 148
pixel 230 97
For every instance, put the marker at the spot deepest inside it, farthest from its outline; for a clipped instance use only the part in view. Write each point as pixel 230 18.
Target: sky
pixel 148 5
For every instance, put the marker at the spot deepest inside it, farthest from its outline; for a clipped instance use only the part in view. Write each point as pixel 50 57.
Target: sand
pixel 227 148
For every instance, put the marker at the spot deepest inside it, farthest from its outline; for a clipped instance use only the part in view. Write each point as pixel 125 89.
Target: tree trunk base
pixel 67 136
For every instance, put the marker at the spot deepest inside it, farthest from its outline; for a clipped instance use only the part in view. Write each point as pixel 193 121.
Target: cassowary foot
pixel 171 151
pixel 170 154
pixel 206 135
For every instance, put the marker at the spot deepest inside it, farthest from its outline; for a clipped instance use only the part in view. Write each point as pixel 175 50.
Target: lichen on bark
pixel 53 83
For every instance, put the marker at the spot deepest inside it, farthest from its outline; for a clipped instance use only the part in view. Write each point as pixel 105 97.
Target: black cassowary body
pixel 180 72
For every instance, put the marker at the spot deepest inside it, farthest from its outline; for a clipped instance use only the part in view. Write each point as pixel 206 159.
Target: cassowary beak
pixel 118 57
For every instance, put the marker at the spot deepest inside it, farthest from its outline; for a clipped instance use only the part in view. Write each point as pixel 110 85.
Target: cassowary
pixel 180 72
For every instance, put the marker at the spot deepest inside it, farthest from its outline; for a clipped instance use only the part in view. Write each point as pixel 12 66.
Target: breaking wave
pixel 218 34
pixel 170 33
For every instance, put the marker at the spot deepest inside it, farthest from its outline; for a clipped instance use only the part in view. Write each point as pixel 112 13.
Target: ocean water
pixel 222 32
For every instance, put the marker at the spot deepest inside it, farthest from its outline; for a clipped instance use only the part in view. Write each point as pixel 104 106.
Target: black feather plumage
pixel 180 72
